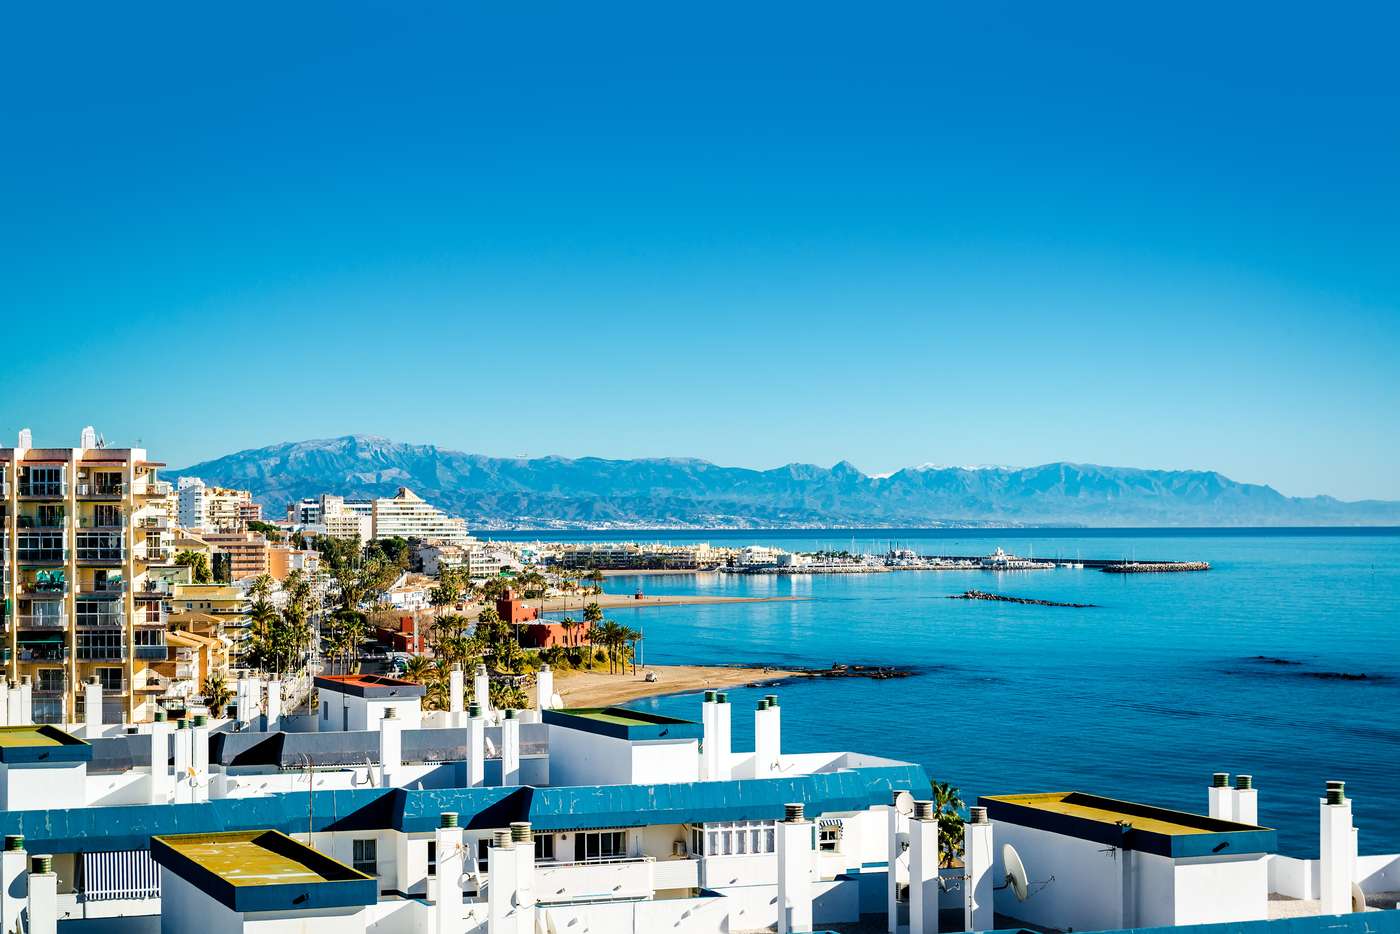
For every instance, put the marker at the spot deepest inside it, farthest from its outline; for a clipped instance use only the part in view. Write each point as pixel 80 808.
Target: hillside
pixel 556 492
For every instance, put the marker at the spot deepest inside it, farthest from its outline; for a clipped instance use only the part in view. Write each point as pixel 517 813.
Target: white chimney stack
pixel 1219 798
pixel 26 439
pixel 14 863
pixel 898 826
pixel 481 690
pixel 476 749
pixel 88 439
pixel 794 872
pixel 524 839
pixel 501 890
pixel 4 704
pixel 274 705
pixel 43 896
pixel 978 892
pixel 510 750
pixel 1337 850
pixel 184 762
pixel 26 700
pixel 92 708
pixel 14 705
pixel 455 690
pixel 247 703
pixel 722 764
pixel 544 687
pixel 199 758
pixel 923 870
pixel 1246 803
pixel 160 760
pixel 450 852
pixel 390 747
pixel 709 740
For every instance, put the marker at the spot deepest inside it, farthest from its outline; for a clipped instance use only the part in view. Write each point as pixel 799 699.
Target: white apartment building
pixel 406 515
pixel 204 508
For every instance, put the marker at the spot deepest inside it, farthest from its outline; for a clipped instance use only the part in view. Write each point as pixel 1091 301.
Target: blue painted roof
pixel 623 723
pixel 130 827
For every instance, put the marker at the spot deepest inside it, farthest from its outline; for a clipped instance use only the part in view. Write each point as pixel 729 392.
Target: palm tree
pixel 198 563
pixel 571 626
pixel 261 587
pixel 419 669
pixel 947 807
pixel 216 693
pixel 596 578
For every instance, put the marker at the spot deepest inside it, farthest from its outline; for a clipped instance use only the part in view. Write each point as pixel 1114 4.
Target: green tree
pixel 216 693
pixel 947 808
pixel 198 563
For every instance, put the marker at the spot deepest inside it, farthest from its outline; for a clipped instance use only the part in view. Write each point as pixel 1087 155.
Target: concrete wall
pixel 187 910
pixel 1087 894
pixel 1211 890
pixel 705 915
pixel 37 786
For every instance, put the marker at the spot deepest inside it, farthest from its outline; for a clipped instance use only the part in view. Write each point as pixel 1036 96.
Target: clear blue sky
pixel 894 234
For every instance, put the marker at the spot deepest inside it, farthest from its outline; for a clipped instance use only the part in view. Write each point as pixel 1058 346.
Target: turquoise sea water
pixel 1141 698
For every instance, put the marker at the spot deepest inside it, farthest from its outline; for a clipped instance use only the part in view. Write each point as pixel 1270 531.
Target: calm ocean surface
pixel 1141 698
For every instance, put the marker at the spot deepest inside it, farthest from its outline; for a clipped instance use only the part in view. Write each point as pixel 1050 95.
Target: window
pixel 107 516
pixel 432 857
pixel 607 844
pixel 103 645
pixel 544 846
pixel 111 679
pixel 829 836
pixel 733 838
pixel 365 857
pixel 50 679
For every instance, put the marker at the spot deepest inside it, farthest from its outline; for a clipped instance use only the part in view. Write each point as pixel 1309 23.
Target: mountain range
pixel 589 492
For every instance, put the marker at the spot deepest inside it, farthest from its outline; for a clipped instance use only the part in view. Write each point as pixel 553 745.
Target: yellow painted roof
pixel 13 737
pixel 1112 811
pixel 240 859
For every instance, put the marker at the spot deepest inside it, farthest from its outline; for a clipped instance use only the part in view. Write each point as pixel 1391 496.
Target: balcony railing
pixel 100 614
pixel 101 489
pixel 43 489
pixel 41 547
pixel 43 652
pixel 42 621
pixel 101 546
pixel 185 672
pixel 47 586
pixel 101 652
pixel 157 653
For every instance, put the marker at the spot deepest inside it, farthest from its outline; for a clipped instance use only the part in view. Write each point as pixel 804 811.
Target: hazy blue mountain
pixel 549 492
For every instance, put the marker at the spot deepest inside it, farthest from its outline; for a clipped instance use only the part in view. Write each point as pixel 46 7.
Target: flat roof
pixel 623 723
pixel 263 870
pixel 41 743
pixel 1128 824
pixel 370 685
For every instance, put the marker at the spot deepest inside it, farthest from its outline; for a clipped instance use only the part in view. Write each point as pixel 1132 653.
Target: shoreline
pixel 614 601
pixel 599 689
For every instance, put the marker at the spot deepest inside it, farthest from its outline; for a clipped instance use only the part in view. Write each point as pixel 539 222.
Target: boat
pixel 999 560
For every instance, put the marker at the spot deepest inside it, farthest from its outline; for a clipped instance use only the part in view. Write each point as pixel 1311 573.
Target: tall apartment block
pixel 80 526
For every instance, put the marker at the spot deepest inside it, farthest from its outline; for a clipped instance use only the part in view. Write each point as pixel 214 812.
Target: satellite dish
pixel 904 803
pixel 490 748
pixel 1015 872
pixel 1358 898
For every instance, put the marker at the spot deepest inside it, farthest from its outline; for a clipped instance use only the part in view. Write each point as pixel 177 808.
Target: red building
pixel 536 633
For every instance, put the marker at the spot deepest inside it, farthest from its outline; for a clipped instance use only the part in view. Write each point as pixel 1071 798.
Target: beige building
pixel 408 516
pixel 77 602
pixel 284 559
pixel 203 508
pixel 247 552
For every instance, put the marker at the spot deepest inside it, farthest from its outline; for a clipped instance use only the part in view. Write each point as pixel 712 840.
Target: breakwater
pixel 1026 601
pixel 1155 567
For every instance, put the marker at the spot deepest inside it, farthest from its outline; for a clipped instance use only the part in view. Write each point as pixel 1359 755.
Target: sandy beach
pixel 619 600
pixel 595 689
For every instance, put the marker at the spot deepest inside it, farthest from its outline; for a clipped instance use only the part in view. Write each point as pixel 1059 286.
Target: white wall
pixel 1087 893
pixel 665 761
pixel 39 785
pixel 1212 890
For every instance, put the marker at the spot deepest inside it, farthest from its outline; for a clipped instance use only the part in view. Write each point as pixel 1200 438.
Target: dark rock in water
pixel 1339 676
pixel 1271 660
pixel 1003 598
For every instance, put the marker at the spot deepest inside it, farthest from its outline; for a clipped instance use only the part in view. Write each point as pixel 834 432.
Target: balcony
pixel 156 523
pixel 154 653
pixel 101 489
pixel 41 547
pixel 100 614
pixel 101 651
pixel 42 489
pixel 625 877
pixel 42 652
pixel 56 621
pixel 51 583
pixel 101 547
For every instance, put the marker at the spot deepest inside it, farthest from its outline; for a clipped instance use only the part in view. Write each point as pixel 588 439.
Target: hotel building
pixel 407 516
pixel 77 538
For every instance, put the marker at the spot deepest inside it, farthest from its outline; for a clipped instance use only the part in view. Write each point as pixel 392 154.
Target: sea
pixel 1282 661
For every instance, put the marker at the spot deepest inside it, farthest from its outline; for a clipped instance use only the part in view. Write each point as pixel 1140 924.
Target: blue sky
pixel 974 233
